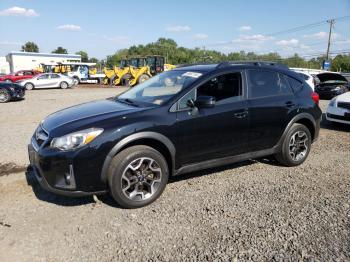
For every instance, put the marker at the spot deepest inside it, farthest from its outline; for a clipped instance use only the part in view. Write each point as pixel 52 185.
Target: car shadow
pixel 49 197
pixel 335 126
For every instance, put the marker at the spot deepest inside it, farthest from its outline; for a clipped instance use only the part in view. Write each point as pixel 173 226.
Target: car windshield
pixel 160 88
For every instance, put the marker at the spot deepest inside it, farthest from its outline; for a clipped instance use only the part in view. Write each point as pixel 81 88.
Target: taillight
pixel 315 97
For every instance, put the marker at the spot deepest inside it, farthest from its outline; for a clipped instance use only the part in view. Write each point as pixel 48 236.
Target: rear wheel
pixel 4 96
pixel 137 176
pixel 296 146
pixel 64 85
pixel 143 78
pixel 29 86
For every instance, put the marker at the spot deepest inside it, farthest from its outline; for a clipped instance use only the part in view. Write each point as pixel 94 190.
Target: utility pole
pixel 331 23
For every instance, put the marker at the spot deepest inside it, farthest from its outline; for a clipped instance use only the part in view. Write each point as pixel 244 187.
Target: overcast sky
pixel 102 27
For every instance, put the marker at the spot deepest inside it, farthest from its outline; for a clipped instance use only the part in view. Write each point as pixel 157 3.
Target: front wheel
pixel 29 86
pixel 137 176
pixel 296 146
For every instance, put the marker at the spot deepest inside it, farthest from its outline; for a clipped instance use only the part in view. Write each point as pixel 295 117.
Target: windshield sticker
pixel 192 74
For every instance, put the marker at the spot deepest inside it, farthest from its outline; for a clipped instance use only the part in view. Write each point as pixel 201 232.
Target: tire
pixel 4 96
pixel 143 78
pixel 29 86
pixel 76 80
pixel 125 80
pixel 139 191
pixel 106 81
pixel 294 154
pixel 64 85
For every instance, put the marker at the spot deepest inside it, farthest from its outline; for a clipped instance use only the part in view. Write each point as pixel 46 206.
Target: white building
pixel 29 60
pixel 4 66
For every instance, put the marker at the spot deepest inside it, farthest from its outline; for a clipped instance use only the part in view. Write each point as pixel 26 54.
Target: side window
pixel 43 77
pixel 284 85
pixel 55 76
pixel 264 83
pixel 222 87
pixel 183 101
pixel 28 73
pixel 295 84
pixel 20 73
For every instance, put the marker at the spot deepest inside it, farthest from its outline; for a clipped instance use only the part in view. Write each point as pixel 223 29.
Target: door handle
pixel 290 104
pixel 241 114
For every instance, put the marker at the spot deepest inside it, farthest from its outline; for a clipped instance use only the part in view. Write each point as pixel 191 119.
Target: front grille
pixel 344 105
pixel 41 135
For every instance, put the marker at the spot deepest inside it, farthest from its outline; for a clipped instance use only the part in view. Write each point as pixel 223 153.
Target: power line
pixel 303 27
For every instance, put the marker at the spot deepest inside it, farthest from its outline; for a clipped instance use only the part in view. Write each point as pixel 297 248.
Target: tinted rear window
pixel 267 83
pixel 295 84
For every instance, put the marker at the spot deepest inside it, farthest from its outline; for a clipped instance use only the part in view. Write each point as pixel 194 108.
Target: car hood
pixel 344 97
pixel 86 114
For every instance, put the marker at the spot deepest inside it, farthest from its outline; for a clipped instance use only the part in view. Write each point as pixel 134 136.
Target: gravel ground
pixel 255 210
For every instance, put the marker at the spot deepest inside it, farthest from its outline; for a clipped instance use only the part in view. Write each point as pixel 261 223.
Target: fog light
pixel 67 178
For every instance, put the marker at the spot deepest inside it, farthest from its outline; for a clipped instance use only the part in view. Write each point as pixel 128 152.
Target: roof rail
pixel 256 63
pixel 193 64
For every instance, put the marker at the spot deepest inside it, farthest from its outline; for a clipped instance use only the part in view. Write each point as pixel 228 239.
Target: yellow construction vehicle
pixel 139 75
pixel 143 68
pixel 109 75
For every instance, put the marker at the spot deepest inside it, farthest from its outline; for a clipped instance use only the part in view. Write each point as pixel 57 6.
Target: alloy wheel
pixel 298 145
pixel 141 179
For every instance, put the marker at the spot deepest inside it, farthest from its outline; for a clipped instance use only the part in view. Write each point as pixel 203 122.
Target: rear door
pixel 55 80
pixel 271 105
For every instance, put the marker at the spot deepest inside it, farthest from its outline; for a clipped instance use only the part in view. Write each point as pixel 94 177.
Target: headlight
pixel 337 88
pixel 76 140
pixel 332 102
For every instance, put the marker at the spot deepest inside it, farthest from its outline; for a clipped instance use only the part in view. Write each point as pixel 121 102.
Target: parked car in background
pixel 179 121
pixel 48 80
pixel 339 109
pixel 329 85
pixel 20 75
pixel 11 91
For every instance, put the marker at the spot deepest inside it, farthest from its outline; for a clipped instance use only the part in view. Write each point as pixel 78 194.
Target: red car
pixel 23 74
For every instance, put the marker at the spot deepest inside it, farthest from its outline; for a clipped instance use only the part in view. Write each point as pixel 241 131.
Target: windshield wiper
pixel 127 101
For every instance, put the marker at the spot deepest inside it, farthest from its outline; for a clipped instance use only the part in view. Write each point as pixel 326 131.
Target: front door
pixel 215 132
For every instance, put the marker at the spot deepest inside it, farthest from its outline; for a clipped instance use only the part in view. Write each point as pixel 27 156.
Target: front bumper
pixel 75 193
pixel 56 173
pixel 18 94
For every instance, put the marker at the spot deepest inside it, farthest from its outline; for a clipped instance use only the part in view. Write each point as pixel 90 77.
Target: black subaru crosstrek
pixel 183 120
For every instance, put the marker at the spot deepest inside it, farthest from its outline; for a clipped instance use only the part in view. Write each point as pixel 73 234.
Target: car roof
pixel 208 68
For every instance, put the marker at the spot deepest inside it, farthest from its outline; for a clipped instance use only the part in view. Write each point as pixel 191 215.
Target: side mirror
pixel 205 102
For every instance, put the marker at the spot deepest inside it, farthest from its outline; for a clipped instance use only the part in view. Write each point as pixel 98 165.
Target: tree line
pixel 175 54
